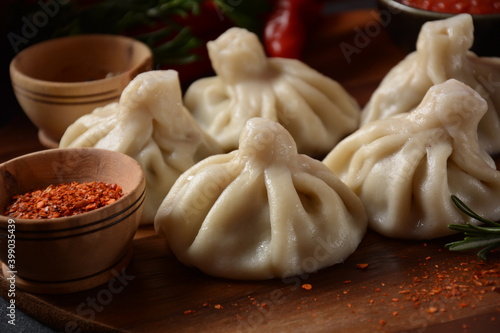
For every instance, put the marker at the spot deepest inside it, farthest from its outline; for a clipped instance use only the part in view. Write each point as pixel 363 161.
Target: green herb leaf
pixel 246 14
pixel 482 237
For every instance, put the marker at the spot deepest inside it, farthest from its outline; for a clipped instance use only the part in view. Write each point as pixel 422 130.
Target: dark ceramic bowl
pixel 403 25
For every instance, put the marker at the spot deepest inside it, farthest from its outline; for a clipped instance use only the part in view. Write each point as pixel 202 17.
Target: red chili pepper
pixel 286 28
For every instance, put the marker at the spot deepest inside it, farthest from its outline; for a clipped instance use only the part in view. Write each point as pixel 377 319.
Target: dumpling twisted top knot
pixel 445 43
pixel 264 142
pixel 454 109
pixel 262 211
pixel 313 108
pixel 238 55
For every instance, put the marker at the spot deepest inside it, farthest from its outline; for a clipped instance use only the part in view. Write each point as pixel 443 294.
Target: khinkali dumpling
pixel 315 109
pixel 261 211
pixel 150 124
pixel 442 53
pixel 405 168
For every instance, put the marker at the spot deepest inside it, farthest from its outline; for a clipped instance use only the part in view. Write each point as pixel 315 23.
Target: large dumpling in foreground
pixel 405 168
pixel 262 211
pixel 315 109
pixel 150 124
pixel 442 53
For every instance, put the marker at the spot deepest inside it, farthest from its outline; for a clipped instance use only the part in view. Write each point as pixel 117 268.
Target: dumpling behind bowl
pixel 150 124
pixel 405 168
pixel 262 211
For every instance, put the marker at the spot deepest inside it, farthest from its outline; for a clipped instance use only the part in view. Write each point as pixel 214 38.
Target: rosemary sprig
pixel 485 237
pixel 170 43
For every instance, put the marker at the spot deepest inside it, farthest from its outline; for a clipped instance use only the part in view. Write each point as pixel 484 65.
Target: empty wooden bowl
pixel 78 252
pixel 60 80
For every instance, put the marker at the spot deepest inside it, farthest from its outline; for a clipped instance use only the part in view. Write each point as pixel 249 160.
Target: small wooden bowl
pixel 60 80
pixel 69 254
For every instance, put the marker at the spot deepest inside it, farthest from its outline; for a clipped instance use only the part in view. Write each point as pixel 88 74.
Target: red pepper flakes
pixel 218 306
pixel 432 290
pixel 306 286
pixel 362 266
pixel 66 199
pixel 189 312
pixel 432 309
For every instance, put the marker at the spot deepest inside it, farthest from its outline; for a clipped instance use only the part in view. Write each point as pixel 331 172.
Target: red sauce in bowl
pixel 456 6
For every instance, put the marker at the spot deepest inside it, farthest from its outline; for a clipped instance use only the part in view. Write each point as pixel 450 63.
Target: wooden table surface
pixel 407 286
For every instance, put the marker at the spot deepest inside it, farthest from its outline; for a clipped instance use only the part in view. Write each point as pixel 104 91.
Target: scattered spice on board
pixel 62 200
pixel 432 309
pixel 442 286
pixel 306 286
pixel 362 266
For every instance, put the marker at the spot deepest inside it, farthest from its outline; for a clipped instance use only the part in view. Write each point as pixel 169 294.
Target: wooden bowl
pixel 403 24
pixel 69 254
pixel 60 80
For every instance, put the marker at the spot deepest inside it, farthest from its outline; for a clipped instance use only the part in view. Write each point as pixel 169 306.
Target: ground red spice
pixel 429 293
pixel 66 199
pixel 362 266
pixel 306 286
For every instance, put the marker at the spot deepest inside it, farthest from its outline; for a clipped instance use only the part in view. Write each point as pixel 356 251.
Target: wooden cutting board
pixel 387 285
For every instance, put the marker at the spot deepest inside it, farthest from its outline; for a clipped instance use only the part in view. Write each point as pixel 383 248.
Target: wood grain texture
pixel 408 286
pixel 163 295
